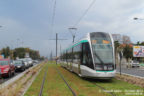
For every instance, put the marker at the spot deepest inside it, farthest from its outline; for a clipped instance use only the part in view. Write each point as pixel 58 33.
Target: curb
pixel 131 75
pixel 12 80
pixel 30 83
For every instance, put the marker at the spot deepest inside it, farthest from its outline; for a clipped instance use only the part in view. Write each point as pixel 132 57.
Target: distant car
pixel 30 61
pixel 6 68
pixel 35 61
pixel 25 62
pixel 19 65
pixel 134 63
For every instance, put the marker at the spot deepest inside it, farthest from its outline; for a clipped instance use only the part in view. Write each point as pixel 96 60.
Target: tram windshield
pixel 102 48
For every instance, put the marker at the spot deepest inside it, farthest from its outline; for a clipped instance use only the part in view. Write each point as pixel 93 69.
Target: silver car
pixel 134 63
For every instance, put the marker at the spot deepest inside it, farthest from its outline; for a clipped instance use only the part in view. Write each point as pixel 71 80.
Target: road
pixel 5 79
pixel 132 71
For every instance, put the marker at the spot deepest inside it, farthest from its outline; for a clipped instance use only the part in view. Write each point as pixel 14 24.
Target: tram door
pixel 72 57
pixel 86 56
pixel 76 58
pixel 80 58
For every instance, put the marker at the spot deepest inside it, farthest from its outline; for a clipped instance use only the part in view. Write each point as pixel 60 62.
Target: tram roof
pixel 82 40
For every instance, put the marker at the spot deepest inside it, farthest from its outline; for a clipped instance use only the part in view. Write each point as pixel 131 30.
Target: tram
pixel 92 56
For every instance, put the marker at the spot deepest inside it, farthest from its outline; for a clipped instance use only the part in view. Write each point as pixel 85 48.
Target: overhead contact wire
pixel 53 16
pixel 89 7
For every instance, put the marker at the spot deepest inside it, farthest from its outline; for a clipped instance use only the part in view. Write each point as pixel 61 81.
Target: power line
pixel 53 16
pixel 91 4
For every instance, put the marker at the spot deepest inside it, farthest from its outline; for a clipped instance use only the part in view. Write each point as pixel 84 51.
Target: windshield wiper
pixel 99 58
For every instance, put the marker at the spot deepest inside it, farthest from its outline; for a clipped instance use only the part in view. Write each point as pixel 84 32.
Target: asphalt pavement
pixel 4 79
pixel 132 71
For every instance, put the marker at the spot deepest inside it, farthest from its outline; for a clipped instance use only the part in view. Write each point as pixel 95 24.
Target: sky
pixel 28 23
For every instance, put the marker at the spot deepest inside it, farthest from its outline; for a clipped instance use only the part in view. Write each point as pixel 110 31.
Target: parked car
pixel 27 62
pixel 30 61
pixel 7 68
pixel 19 65
pixel 134 63
pixel 35 61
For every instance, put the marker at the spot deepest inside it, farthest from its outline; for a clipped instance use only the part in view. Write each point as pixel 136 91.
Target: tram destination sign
pixel 138 51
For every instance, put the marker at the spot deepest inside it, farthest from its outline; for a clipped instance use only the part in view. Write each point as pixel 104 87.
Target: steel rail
pixel 42 85
pixel 74 94
pixel 112 94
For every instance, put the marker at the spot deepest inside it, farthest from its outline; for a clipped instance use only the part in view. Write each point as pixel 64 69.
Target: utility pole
pixel 60 48
pixel 121 55
pixel 51 56
pixel 56 47
pixel 57 44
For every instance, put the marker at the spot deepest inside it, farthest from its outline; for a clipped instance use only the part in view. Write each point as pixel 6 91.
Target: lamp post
pixel 135 18
pixel 18 42
pixel 73 32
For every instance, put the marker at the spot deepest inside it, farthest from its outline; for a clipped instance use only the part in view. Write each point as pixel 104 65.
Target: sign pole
pixel 121 55
pixel 56 48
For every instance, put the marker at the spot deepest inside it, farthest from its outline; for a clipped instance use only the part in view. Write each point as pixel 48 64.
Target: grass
pixel 118 87
pixel 81 86
pixel 35 87
pixel 141 64
pixel 55 86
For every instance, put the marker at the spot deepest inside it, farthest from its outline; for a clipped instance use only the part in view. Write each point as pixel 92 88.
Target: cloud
pixel 114 16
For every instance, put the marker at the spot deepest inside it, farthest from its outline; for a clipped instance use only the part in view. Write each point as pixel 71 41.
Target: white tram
pixel 91 57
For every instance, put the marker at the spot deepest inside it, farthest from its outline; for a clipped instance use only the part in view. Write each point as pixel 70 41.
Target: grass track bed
pixel 88 87
pixel 55 86
pixel 35 87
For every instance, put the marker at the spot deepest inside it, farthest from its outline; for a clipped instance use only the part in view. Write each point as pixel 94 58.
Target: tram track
pixel 42 85
pixel 74 94
pixel 44 77
pixel 102 88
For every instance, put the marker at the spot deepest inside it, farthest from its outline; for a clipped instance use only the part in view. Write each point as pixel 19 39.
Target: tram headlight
pixel 110 67
pixel 99 67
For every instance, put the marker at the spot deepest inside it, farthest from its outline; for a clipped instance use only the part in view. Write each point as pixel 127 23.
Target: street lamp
pixel 73 32
pixel 135 18
pixel 18 42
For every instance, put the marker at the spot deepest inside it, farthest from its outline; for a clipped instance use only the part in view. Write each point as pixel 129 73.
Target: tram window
pixel 69 55
pixel 87 56
pixel 77 54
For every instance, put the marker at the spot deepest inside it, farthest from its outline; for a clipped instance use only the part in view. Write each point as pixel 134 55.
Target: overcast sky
pixel 28 23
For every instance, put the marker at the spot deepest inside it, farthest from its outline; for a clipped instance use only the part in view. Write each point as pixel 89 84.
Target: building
pixel 122 39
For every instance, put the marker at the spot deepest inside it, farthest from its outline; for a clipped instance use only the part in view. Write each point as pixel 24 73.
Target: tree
pixel 138 43
pixel 116 44
pixel 127 52
pixel 19 52
pixel 6 52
